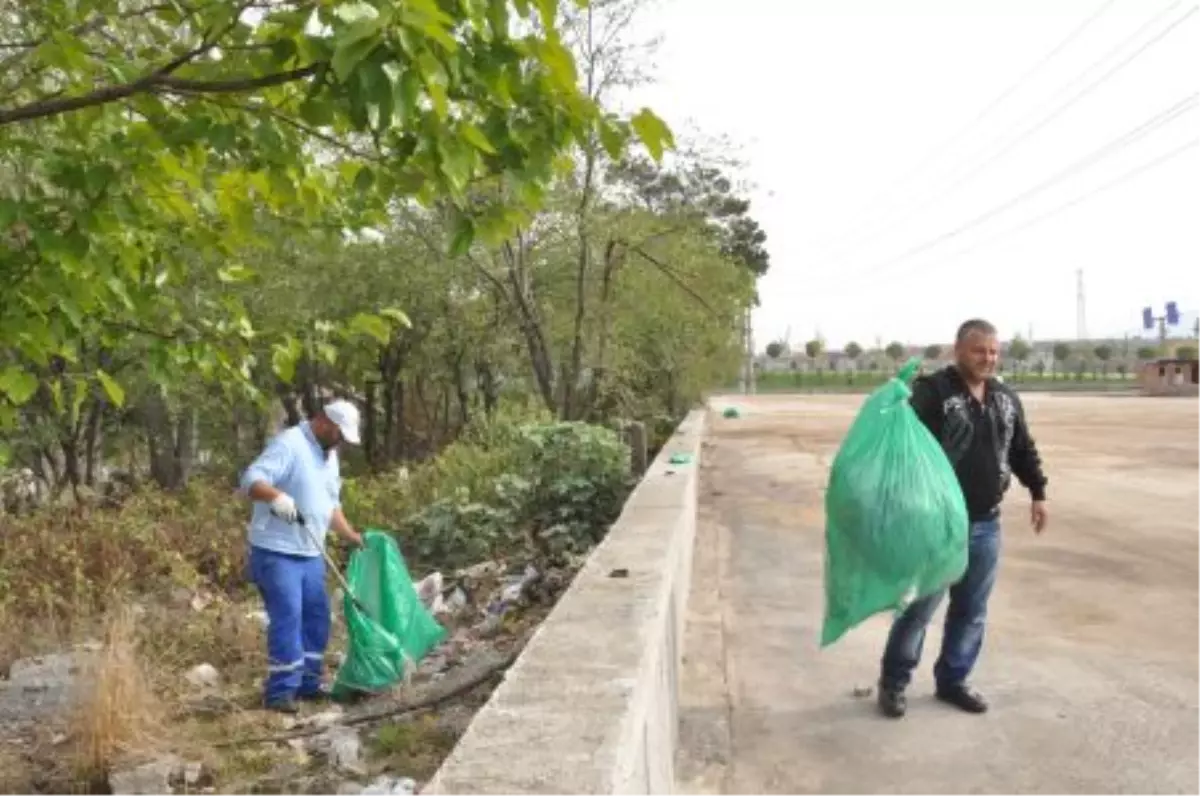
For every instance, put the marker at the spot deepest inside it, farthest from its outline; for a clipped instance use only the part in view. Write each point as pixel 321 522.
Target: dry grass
pixel 61 569
pixel 416 747
pixel 118 716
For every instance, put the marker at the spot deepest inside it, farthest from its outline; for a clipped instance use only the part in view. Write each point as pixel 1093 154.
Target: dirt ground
pixel 1090 660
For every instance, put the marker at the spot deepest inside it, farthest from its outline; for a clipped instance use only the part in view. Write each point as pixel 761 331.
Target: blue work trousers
pixel 293 589
pixel 965 619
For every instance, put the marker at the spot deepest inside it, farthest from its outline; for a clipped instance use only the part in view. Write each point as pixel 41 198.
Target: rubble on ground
pixel 487 610
pixel 204 675
pixel 167 774
pixel 42 685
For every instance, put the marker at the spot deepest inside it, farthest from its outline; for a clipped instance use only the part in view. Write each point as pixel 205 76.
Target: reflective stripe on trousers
pixel 293 591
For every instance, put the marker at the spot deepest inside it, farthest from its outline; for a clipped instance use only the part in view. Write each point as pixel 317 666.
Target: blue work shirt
pixel 295 463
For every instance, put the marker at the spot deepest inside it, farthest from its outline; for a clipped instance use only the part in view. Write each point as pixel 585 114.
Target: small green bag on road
pixel 896 525
pixel 395 630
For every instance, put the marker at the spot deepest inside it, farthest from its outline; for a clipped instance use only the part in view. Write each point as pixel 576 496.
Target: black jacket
pixel 986 443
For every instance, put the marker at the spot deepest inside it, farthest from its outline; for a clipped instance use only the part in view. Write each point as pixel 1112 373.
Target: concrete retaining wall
pixel 591 706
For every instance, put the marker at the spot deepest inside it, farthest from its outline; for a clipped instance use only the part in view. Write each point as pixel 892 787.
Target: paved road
pixel 1091 656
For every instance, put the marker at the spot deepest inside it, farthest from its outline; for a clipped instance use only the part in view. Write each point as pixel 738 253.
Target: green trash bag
pixel 389 627
pixel 896 523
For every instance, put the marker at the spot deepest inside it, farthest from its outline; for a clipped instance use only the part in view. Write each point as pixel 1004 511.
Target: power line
pixel 1078 96
pixel 962 178
pixel 1085 197
pixel 935 152
pixel 1158 120
pixel 1074 34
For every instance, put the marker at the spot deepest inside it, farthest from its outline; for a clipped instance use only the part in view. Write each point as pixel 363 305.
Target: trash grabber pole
pixel 312 537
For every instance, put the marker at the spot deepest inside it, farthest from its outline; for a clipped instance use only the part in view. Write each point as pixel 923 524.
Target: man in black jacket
pixel 981 426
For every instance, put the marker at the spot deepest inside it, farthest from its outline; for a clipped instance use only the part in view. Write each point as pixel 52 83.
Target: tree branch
pixel 158 81
pixel 92 25
pixel 673 277
pixel 275 113
pixel 235 85
pixel 484 671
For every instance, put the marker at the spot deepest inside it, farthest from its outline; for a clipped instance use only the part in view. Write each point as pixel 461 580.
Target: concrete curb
pixel 591 706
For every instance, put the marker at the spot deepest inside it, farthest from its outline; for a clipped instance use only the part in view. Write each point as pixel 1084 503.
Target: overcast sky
pixel 850 116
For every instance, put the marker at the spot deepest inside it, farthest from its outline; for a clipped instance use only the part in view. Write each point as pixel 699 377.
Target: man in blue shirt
pixel 296 479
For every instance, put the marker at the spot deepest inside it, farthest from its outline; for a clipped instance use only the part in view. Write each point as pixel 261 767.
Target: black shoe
pixel 285 706
pixel 320 695
pixel 892 702
pixel 963 698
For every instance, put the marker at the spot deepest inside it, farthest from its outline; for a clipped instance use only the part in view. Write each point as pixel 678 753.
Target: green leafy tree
pixel 701 191
pixel 126 138
pixel 814 349
pixel 1062 353
pixel 1147 353
pixel 1103 353
pixel 1187 352
pixel 896 351
pixel 775 349
pixel 249 303
pixel 933 352
pixel 1019 350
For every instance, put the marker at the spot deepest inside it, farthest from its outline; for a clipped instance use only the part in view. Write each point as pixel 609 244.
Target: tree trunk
pixel 92 442
pixel 236 428
pixel 423 402
pixel 488 387
pixel 171 442
pixel 308 396
pixel 370 424
pixel 389 420
pixel 570 375
pixel 47 468
pixel 461 391
pixel 291 407
pixel 612 254
pixel 399 410
pixel 71 469
pixel 186 431
pixel 672 396
pixel 308 374
pixel 531 329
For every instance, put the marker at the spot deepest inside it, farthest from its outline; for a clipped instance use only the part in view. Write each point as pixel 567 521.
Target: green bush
pixel 510 486
pixel 467 468
pixel 580 477
pixel 546 489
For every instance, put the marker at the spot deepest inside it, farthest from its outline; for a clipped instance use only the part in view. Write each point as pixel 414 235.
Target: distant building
pixel 1170 377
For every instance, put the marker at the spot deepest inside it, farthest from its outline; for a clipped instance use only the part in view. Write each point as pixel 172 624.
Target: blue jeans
pixel 293 590
pixel 963 637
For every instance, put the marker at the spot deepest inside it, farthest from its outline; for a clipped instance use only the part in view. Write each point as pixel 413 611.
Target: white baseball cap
pixel 345 416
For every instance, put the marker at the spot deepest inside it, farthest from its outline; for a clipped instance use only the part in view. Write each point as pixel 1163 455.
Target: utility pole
pixel 746 383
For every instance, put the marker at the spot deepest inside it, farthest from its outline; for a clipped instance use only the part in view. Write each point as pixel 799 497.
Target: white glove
pixel 284 508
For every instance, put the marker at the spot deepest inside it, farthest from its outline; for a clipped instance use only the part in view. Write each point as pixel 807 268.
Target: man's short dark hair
pixel 974 325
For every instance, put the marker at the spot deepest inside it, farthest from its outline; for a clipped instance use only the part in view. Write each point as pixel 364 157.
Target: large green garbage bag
pixel 895 519
pixel 389 628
